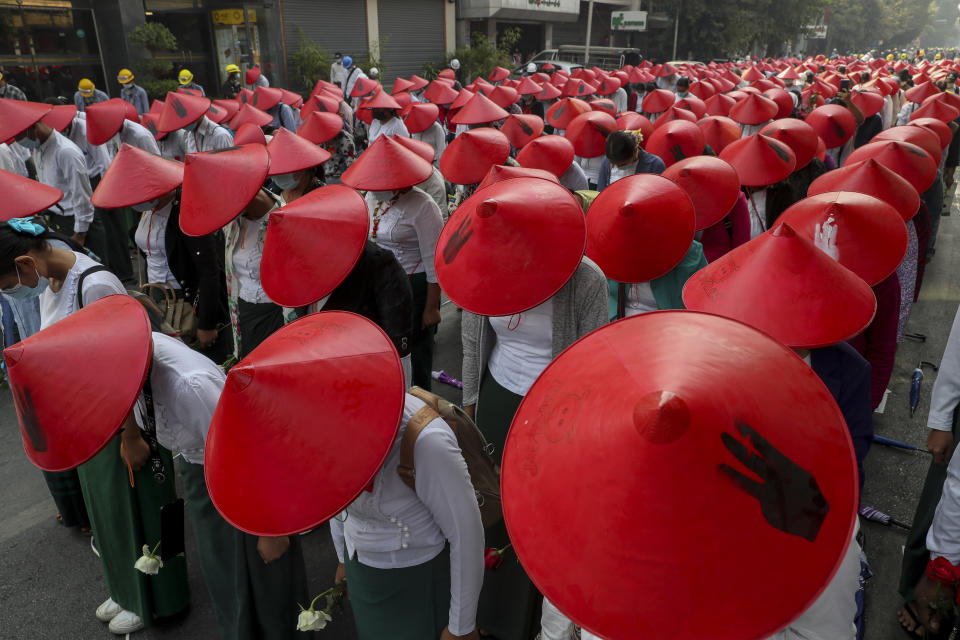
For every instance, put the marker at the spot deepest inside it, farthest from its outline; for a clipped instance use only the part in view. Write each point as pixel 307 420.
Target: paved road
pixel 50 582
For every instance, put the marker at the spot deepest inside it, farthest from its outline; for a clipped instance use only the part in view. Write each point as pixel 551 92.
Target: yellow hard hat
pixel 938 57
pixel 86 87
pixel 186 77
pixel 125 76
pixel 889 56
pixel 232 68
pixel 903 56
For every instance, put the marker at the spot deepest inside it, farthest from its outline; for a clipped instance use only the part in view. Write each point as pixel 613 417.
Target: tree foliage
pixel 155 72
pixel 482 55
pixel 309 63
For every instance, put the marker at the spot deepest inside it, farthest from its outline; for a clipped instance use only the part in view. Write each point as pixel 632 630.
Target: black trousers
pixel 255 323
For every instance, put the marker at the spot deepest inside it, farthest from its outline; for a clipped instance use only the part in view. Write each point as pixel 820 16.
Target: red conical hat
pixel 419 116
pixel 499 74
pixel 938 110
pixel 548 92
pixel 815 302
pixel 550 153
pixel 796 134
pixel 249 133
pixel 136 176
pixel 577 88
pixel 588 132
pixel 380 100
pixel 327 104
pixel 869 102
pixel 190 92
pixel 291 99
pixel 251 75
pixel 23 197
pixel 418 82
pixel 871 238
pixel 938 127
pixel 946 97
pixel 783 99
pixel 463 98
pixel 365 86
pixel 874 179
pixel 711 184
pixel 440 93
pixel 693 104
pixel 74 384
pixel 400 84
pixel 318 403
pixel 249 113
pixel 702 89
pixel 903 158
pixel 423 149
pixel 386 165
pixel 471 154
pixel 615 416
pixel 60 116
pixel 834 123
pixel 521 129
pixel 504 96
pixel 675 141
pixel 639 228
pixel 320 127
pixel 751 74
pixel 759 160
pixel 719 132
pixel 671 114
pixel 754 109
pixel 289 152
pixel 181 109
pixel 923 138
pixel 17 115
pixel 528 87
pixel 608 86
pixel 789 74
pixel 719 104
pixel 479 110
pixel 664 71
pixel 151 122
pixel 219 113
pixel 633 121
pixel 525 236
pixel 218 185
pixel 921 92
pixel 657 101
pixel 561 113
pixel 319 236
pixel 266 98
pixel 156 107
pixel 501 172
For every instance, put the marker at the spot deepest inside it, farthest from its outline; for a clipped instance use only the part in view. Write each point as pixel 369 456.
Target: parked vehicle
pixel 571 56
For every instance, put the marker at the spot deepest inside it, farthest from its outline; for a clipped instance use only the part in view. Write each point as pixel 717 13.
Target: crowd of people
pixel 253 284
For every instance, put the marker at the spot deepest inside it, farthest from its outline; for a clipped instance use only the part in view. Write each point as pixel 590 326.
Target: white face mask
pixel 383 196
pixel 145 206
pixel 286 181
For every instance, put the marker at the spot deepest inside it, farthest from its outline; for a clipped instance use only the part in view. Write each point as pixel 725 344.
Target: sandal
pixel 946 626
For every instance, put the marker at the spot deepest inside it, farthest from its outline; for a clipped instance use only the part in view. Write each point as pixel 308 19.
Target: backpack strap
pixel 83 276
pixel 406 469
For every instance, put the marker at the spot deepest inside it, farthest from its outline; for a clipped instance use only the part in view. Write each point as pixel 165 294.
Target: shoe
pixel 126 622
pixel 108 610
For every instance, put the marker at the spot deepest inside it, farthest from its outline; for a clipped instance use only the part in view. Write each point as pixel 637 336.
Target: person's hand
pixel 79 238
pixel 471 410
pixel 446 635
pixel 271 549
pixel 825 238
pixel 948 176
pixel 940 444
pixel 341 574
pixel 135 449
pixel 206 337
pixel 431 318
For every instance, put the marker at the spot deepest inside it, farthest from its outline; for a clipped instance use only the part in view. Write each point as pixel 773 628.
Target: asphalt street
pixel 50 581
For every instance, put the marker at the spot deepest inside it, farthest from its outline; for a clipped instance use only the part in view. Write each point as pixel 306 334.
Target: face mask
pixel 145 206
pixel 23 292
pixel 190 128
pixel 682 94
pixel 383 196
pixel 286 181
pixel 29 143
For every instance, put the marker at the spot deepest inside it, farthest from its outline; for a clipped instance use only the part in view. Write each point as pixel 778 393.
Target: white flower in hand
pixel 310 620
pixel 825 238
pixel 149 563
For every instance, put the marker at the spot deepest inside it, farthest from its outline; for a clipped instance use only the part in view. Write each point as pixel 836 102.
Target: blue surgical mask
pixel 145 206
pixel 28 143
pixel 22 292
pixel 286 181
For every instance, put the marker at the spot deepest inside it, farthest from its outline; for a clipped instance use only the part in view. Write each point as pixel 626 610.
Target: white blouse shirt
pixel 523 348
pixel 640 299
pixel 246 262
pixel 436 137
pixel 409 227
pixel 757 205
pixel 151 238
pixel 392 127
pixel 58 305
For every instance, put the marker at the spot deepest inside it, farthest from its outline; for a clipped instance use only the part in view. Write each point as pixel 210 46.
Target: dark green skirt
pixel 124 519
pixel 412 603
pixel 509 603
pixel 65 488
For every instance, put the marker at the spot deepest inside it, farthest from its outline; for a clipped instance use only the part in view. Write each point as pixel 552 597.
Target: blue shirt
pixel 98 96
pixel 136 96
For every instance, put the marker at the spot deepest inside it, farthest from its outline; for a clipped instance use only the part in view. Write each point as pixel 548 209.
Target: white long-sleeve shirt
pixel 946 388
pixel 392 127
pixel 138 136
pixel 393 527
pixel 61 164
pixel 620 99
pixel 11 161
pixel 436 137
pixel 905 112
pixel 409 227
pixel 98 157
pixel 209 136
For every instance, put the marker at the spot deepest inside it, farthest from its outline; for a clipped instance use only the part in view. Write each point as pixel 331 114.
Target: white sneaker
pixel 125 622
pixel 108 610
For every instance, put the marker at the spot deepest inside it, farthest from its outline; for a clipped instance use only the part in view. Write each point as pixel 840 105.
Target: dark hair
pixel 864 77
pixel 684 81
pixel 57 100
pixel 809 76
pixel 620 146
pixel 14 244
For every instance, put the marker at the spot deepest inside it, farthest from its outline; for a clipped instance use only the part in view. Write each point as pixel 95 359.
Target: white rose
pixel 311 620
pixel 148 563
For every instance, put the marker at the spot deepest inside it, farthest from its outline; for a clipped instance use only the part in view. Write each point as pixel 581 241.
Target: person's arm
pixel 592 293
pixel 78 184
pixel 882 337
pixel 943 538
pixel 133 448
pixel 470 367
pixel 945 398
pixel 429 223
pixel 443 485
pixel 394 300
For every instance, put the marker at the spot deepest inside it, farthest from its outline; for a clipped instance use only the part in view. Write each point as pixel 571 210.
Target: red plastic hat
pixel 903 158
pixel 502 172
pixel 290 152
pixel 528 87
pixel 386 165
pixel 74 383
pixel 754 109
pixel 869 102
pixel 252 75
pixel 327 104
pixel 921 92
pixel 639 228
pixel 363 87
pixel 380 100
pixel 657 101
pixel 23 197
pixel 665 71
pixel 181 109
pixel 479 110
pixel 719 104
pixel 693 104
pixel 675 141
pixel 463 98
pixel 759 160
pixel 783 99
pixel 561 113
pixel 608 86
pixel 400 84
pixel 249 113
pixel 219 112
pixel 60 116
pixel 419 116
pixel 588 132
pixel 526 236
pixel 874 179
pixel 151 122
pixel 275 436
pixel 17 115
pixel 712 185
pixel 471 154
pixel 577 88
pixel 423 149
pixel 521 129
pixel 504 96
pixel 671 114
pixel 936 126
pixel 548 92
pixel 782 284
pixel 938 110
pixel 871 238
pixel 633 121
pixel 719 132
pixel 499 74
pixel 320 127
pixel 266 98
pixel 190 92
pixel 923 138
pixel 291 99
pixel 796 134
pixel 249 133
pixel 156 107
pixel 550 153
pixel 418 83
pixel 218 185
pixel 319 236
pixel 136 176
pixel 710 396
pixel 104 120
pixel 832 122
pixel 440 93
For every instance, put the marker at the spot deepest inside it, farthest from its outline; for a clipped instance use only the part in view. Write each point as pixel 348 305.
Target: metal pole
pixel 676 28
pixel 586 48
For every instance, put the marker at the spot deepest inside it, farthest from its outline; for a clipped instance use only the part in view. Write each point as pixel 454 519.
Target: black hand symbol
pixel 457 240
pixel 677 152
pixel 28 418
pixel 789 496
